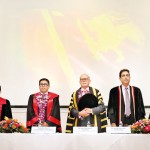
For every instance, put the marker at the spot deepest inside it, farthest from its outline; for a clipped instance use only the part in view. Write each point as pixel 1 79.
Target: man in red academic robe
pixel 5 108
pixel 43 107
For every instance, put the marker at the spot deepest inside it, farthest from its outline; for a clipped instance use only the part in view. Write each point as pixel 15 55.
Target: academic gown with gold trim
pixel 99 120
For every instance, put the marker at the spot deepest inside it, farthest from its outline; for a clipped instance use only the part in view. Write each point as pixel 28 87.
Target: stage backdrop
pixel 61 39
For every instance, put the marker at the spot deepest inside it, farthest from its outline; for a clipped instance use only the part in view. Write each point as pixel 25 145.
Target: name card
pixel 43 130
pixel 85 130
pixel 121 130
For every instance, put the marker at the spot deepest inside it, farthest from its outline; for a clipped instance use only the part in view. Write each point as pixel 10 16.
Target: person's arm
pixel 141 110
pixel 31 117
pixel 110 110
pixel 83 113
pixel 54 118
pixel 97 110
pixel 75 113
pixel 8 112
pixel 100 108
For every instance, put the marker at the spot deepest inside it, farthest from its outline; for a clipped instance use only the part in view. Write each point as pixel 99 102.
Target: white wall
pixel 60 39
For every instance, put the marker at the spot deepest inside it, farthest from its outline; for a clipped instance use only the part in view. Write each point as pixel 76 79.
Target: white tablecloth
pixel 103 141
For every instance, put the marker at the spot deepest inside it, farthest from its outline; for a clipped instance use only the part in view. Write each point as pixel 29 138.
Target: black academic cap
pixel 87 101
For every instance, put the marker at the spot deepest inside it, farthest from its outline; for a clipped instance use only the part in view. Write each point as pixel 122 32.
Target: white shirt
pixel 87 91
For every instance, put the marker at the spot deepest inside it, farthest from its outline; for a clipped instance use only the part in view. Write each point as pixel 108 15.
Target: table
pixel 102 141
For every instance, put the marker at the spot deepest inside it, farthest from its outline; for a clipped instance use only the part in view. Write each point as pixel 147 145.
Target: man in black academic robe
pixel 116 104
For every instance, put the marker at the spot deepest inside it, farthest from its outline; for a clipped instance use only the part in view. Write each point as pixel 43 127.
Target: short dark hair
pixel 123 70
pixel 44 79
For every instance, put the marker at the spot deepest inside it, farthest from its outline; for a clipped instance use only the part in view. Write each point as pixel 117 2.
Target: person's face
pixel 125 78
pixel 84 81
pixel 44 86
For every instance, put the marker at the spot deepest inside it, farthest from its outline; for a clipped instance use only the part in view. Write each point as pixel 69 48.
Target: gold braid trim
pixel 95 117
pixel 103 112
pixel 76 107
pixel 104 119
pixel 75 101
pixel 103 126
pixel 68 131
pixel 95 121
pixel 94 92
pixel 71 118
pixel 69 124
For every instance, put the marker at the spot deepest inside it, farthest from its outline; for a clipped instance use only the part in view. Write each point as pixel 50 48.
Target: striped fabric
pixel 100 120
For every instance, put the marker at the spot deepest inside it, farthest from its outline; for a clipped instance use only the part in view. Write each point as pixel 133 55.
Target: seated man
pixel 95 115
pixel 43 107
pixel 5 108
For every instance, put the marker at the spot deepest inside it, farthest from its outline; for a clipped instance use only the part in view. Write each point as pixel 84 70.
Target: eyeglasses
pixel 127 75
pixel 84 79
pixel 43 84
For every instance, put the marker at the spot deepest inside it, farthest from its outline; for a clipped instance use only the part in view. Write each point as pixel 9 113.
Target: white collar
pixel 123 87
pixel 44 93
pixel 87 89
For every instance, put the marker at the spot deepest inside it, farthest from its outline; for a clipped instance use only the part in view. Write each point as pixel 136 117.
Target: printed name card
pixel 85 130
pixel 43 130
pixel 118 130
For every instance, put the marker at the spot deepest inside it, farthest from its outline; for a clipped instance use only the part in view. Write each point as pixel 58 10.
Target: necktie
pixel 127 101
